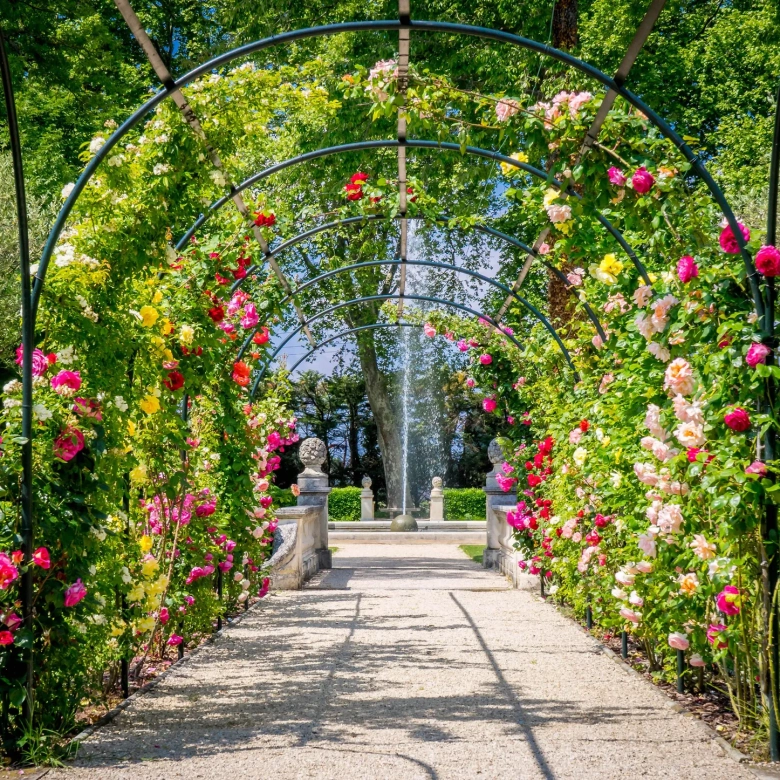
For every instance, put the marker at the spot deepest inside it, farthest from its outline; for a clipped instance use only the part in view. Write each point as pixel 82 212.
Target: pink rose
pixel 8 572
pixel 737 419
pixel 39 361
pixel 678 641
pixel 714 636
pixel 66 380
pixel 164 615
pixel 756 467
pixel 728 600
pixel 616 177
pixel 207 509
pixel 757 353
pixel 174 640
pixel 68 444
pixel 263 592
pixel 470 382
pixel 429 330
pixel 251 317
pixel 274 441
pixel 74 593
pixel 486 359
pixel 489 405
pixel 630 615
pixel 728 243
pixel 6 638
pixel 41 558
pixel 687 269
pixel 642 181
pixel 768 261
pixel 506 108
pixel 463 346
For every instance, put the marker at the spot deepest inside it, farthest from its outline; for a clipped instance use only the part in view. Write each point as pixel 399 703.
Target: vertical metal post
pixel 770 529
pixel 680 671
pixel 624 644
pixel 219 597
pixel 588 616
pixel 125 662
pixel 541 584
pixel 28 338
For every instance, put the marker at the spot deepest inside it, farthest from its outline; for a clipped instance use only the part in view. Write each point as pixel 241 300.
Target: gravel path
pixel 403 662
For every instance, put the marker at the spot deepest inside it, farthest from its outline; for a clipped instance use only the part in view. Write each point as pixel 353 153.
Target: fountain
pixel 404 521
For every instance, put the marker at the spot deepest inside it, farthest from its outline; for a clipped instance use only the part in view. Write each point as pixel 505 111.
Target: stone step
pixel 440 526
pixel 335 538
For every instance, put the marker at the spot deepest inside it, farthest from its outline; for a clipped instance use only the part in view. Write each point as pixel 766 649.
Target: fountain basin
pixel 403 523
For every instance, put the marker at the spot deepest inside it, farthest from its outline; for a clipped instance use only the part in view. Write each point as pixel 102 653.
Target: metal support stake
pixel 219 597
pixel 770 524
pixel 588 616
pixel 624 644
pixel 28 338
pixel 680 671
pixel 541 585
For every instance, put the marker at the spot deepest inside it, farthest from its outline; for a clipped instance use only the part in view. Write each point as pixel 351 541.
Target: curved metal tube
pixel 343 333
pixel 386 297
pixel 254 269
pixel 416 144
pixel 427 264
pixel 386 25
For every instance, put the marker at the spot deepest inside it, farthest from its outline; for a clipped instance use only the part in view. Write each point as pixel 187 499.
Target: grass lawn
pixel 474 551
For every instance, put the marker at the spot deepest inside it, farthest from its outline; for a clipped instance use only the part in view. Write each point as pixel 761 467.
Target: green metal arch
pixel 386 297
pixel 255 269
pixel 425 264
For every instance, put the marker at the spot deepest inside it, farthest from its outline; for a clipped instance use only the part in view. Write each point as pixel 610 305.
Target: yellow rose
pixel 149 316
pixel 167 327
pixel 145 624
pixel 150 404
pixel 137 593
pixel 139 473
pixel 507 168
pixel 149 568
pixel 145 543
pixel 611 265
pixel 186 334
pixel 117 629
pixel 131 429
pixel 565 227
pixel 157 297
pixel 549 196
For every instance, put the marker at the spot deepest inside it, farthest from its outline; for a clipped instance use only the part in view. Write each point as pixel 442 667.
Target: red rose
pixel 261 336
pixel 175 381
pixel 584 425
pixel 533 480
pixel 217 314
pixel 241 373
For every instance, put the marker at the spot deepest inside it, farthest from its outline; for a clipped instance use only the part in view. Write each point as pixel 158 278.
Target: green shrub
pixel 344 504
pixel 464 504
pixel 282 496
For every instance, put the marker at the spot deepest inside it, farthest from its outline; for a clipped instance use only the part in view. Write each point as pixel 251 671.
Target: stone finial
pixel 313 453
pixel 437 483
pixel 366 482
pixel 495 452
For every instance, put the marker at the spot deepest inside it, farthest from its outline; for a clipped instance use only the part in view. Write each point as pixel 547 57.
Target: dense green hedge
pixel 282 496
pixel 344 504
pixel 464 504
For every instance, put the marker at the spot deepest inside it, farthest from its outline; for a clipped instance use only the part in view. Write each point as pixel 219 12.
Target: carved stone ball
pixel 366 482
pixel 312 453
pixel 437 483
pixel 495 453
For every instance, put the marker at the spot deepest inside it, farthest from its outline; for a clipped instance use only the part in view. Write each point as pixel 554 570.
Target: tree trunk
pixel 385 418
pixel 565 30
pixel 354 455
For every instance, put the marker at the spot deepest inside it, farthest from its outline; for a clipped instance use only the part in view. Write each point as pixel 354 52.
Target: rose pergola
pixel 139 447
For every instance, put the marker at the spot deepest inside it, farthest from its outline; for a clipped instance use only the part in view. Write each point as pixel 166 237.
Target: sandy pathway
pixel 402 662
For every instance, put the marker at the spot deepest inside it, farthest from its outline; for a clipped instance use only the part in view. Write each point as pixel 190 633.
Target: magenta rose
pixel 756 467
pixel 737 419
pixel 489 405
pixel 39 361
pixel 616 177
pixel 486 359
pixel 714 636
pixel 757 353
pixel 74 593
pixel 728 243
pixel 768 261
pixel 642 181
pixel 66 380
pixel 68 444
pixel 687 269
pixel 728 600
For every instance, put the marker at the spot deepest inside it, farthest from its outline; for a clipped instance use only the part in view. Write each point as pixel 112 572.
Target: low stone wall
pixel 298 553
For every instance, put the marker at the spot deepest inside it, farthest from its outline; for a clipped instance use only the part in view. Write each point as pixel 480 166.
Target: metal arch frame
pixel 372 326
pixel 426 264
pixel 416 144
pixel 255 269
pixel 384 297
pixel 397 25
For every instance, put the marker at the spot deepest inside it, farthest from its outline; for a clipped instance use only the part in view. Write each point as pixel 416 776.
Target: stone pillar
pixel 313 484
pixel 366 500
pixel 494 496
pixel 437 500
